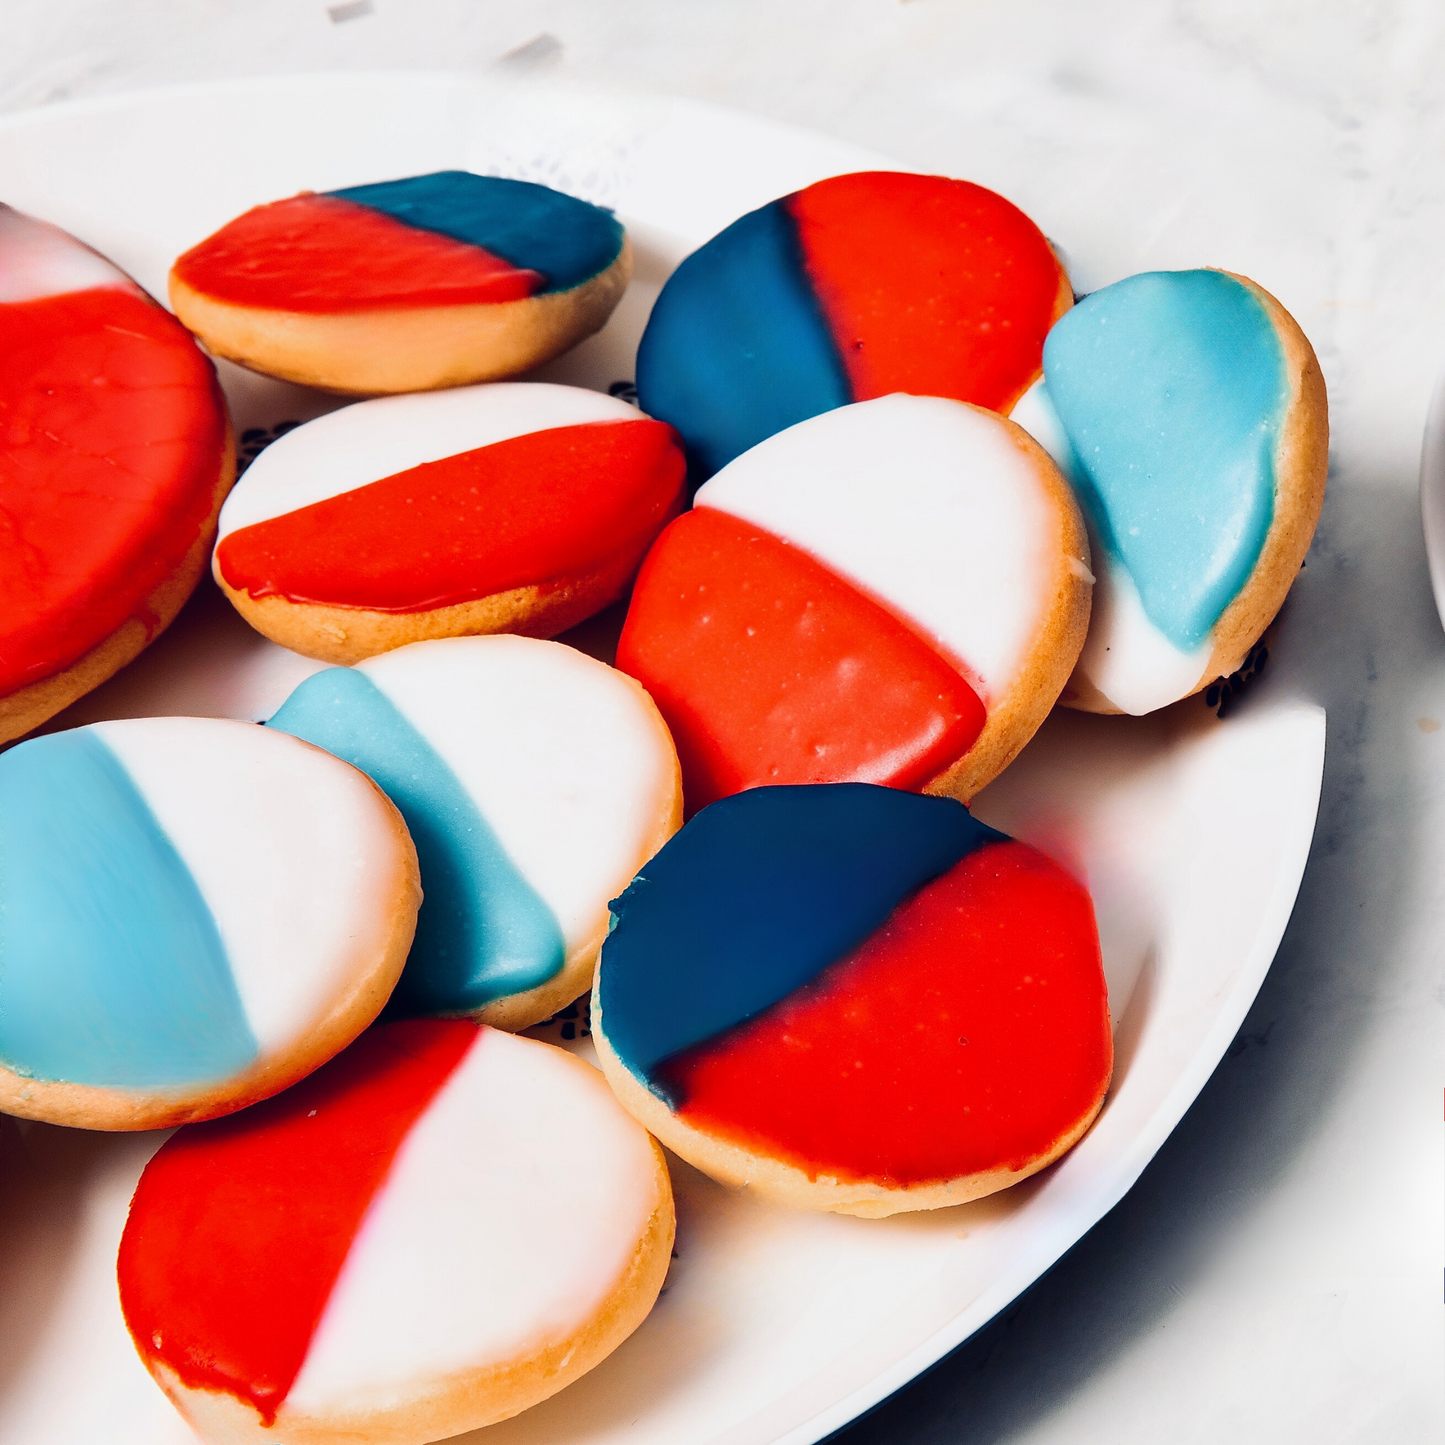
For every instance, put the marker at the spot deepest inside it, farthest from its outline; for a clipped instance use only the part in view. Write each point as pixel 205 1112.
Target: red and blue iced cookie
pixel 517 507
pixel 1189 411
pixel 851 998
pixel 405 285
pixel 196 913
pixel 443 1226
pixel 535 782
pixel 854 288
pixel 115 454
pixel 892 592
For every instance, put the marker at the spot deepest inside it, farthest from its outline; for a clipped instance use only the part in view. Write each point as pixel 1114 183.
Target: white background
pixel 1276 1275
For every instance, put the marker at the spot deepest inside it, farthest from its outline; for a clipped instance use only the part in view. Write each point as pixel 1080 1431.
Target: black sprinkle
pixel 624 391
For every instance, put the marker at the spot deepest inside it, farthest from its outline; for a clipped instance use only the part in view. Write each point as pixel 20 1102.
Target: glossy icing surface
pixel 736 347
pixel 320 254
pixel 770 668
pixel 446 239
pixel 532 779
pixel 439 1197
pixel 1171 388
pixel 133 951
pixel 754 898
pixel 482 931
pixel 931 286
pixel 931 507
pixel 112 435
pixel 857 287
pixel 535 509
pixel 360 443
pixel 966 1034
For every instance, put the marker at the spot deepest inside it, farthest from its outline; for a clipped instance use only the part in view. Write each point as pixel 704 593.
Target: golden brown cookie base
pixel 368 353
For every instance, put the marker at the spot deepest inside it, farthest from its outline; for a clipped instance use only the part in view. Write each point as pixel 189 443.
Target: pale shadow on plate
pixel 1359 632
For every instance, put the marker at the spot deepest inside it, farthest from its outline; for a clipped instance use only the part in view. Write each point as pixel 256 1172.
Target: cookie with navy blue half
pixel 857 287
pixel 535 782
pixel 853 998
pixel 1189 412
pixel 194 914
pixel 405 285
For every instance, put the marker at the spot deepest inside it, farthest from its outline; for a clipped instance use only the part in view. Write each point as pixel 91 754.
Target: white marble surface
pixel 1276 1274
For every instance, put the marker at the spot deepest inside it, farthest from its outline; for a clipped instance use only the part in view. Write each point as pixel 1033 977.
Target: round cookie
pixel 892 592
pixel 851 998
pixel 440 1228
pixel 535 780
pixel 115 455
pixel 405 285
pixel 1189 412
pixel 196 914
pixel 857 287
pixel 519 507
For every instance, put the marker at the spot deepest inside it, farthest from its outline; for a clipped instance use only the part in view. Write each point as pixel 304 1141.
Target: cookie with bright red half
pixel 115 455
pixel 853 288
pixel 856 999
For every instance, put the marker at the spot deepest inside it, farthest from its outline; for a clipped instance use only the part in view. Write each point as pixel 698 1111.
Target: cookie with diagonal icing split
pixel 891 592
pixel 443 1226
pixel 115 456
pixel 405 285
pixel 856 287
pixel 852 998
pixel 535 781
pixel 519 507
pixel 1189 411
pixel 194 914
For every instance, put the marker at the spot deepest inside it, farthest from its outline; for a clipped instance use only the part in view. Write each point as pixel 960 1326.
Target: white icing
pixel 370 440
pixel 509 1216
pixel 563 757
pixel 1125 657
pixel 929 505
pixel 289 847
pixel 38 260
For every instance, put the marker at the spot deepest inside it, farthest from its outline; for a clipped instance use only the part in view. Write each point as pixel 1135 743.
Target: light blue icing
pixel 736 347
pixel 111 968
pixel 534 227
pixel 483 932
pixel 1172 389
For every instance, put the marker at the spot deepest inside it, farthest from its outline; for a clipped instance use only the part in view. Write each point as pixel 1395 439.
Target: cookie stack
pixel 893 492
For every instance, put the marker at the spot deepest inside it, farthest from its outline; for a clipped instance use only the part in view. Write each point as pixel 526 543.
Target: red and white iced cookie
pixel 519 507
pixel 891 592
pixel 442 1227
pixel 115 454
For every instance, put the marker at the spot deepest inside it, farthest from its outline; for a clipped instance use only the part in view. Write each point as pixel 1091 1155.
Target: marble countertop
pixel 1275 1276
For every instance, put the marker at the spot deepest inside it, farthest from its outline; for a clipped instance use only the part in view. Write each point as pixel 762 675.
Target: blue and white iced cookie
pixel 404 285
pixel 194 914
pixel 1189 411
pixel 535 780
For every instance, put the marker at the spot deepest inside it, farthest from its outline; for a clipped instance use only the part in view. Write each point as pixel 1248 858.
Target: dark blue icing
pixel 756 896
pixel 1171 387
pixel 482 933
pixel 535 227
pixel 112 971
pixel 736 348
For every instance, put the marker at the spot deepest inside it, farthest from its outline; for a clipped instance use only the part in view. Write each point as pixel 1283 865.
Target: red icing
pixel 537 509
pixel 769 668
pixel 321 254
pixel 970 1033
pixel 930 286
pixel 112 431
pixel 239 1228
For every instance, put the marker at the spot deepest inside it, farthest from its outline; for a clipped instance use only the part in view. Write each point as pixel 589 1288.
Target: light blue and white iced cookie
pixel 194 914
pixel 535 780
pixel 1188 410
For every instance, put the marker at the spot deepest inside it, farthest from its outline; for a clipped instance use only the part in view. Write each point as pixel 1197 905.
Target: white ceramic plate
pixel 776 1326
pixel 1432 494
